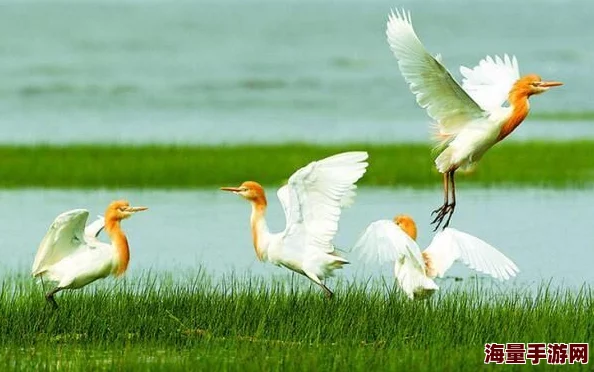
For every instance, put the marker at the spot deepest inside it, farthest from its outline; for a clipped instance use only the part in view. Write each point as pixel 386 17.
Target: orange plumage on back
pixel 429 269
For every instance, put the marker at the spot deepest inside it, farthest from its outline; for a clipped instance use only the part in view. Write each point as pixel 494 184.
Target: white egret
pixel 312 202
pixel 469 119
pixel 71 256
pixel 395 241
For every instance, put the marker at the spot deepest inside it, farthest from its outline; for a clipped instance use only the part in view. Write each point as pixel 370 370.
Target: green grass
pixel 255 324
pixel 532 164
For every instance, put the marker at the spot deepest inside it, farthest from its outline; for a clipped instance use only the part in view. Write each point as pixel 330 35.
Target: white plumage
pixel 451 245
pixel 312 201
pixel 468 119
pixel 490 82
pixel 463 129
pixel 384 241
pixel 71 256
pixel 94 228
pixel 62 254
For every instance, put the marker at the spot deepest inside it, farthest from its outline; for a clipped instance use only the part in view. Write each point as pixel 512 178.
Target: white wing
pixel 434 87
pixel 95 227
pixel 284 197
pixel 63 237
pixel 452 245
pixel 490 82
pixel 315 194
pixel 384 241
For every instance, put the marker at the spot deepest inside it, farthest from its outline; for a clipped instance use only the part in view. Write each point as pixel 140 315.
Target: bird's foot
pixel 52 301
pixel 445 210
pixel 327 292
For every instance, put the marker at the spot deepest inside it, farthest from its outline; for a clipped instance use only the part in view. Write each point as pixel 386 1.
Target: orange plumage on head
pixel 255 192
pixel 407 224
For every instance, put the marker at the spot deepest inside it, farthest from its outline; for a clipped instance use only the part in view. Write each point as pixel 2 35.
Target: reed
pixel 252 323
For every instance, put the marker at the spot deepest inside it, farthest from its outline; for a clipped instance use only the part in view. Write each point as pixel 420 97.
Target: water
pixel 183 230
pixel 265 71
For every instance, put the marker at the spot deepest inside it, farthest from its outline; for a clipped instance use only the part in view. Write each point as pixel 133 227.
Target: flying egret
pixel 312 202
pixel 71 256
pixel 395 241
pixel 469 119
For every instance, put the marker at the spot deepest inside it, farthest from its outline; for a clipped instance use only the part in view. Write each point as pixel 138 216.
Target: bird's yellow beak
pixel 231 189
pixel 136 209
pixel 548 84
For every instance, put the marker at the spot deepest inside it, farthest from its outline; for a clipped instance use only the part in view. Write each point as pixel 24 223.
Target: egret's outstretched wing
pixel 63 237
pixel 285 198
pixel 435 88
pixel 490 82
pixel 452 245
pixel 384 241
pixel 95 227
pixel 316 194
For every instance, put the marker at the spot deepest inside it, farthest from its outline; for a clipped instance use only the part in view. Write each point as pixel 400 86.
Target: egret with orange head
pixel 71 256
pixel 395 241
pixel 469 119
pixel 312 201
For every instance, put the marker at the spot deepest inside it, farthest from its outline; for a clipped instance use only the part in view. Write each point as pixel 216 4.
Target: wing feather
pixel 432 84
pixel 315 194
pixel 451 245
pixel 95 227
pixel 490 82
pixel 63 237
pixel 384 241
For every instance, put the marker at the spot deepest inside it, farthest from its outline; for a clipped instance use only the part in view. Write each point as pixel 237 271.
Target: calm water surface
pixel 183 230
pixel 267 71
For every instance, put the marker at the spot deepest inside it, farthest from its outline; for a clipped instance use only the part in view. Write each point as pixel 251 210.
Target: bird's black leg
pixel 314 278
pixel 50 297
pixel 327 291
pixel 452 205
pixel 443 210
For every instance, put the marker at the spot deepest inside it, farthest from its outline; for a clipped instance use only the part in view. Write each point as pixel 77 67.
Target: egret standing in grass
pixel 312 202
pixel 470 119
pixel 72 257
pixel 395 241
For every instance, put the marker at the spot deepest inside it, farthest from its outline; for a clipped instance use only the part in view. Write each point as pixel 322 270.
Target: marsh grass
pixel 534 164
pixel 252 323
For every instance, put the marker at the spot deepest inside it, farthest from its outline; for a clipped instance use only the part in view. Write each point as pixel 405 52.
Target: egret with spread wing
pixel 71 256
pixel 312 201
pixel 469 119
pixel 395 241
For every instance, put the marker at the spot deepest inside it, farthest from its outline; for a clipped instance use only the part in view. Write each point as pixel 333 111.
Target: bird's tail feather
pixel 415 284
pixel 444 162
